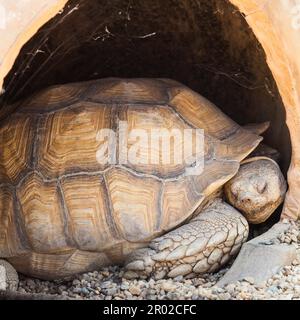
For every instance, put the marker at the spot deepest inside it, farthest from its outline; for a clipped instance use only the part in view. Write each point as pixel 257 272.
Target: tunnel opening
pixel 206 45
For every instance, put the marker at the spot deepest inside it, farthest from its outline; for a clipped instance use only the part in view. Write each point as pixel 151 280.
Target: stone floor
pixel 109 284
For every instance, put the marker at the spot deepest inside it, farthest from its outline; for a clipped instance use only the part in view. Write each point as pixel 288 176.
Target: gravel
pixel 109 284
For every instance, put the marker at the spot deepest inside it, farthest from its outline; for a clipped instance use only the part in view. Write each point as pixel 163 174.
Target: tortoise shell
pixel 64 212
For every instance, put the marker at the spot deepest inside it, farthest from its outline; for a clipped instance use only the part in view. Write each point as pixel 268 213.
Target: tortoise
pixel 64 211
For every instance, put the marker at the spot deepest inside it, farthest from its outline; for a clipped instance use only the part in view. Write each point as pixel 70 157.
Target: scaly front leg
pixel 203 245
pixel 8 277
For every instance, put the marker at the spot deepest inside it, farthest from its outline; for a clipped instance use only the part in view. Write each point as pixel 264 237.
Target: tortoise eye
pixel 234 190
pixel 261 187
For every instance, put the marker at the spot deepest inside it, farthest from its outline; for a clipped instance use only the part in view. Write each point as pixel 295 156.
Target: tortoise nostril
pixel 246 200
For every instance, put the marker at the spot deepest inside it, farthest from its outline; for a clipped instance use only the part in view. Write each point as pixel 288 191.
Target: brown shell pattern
pixel 62 211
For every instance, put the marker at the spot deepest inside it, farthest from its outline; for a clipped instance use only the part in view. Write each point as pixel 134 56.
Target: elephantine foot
pixel 8 277
pixel 201 246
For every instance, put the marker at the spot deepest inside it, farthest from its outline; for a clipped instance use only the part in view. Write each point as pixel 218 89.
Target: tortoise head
pixel 257 190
